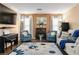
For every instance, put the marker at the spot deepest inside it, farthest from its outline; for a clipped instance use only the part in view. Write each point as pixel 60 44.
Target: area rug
pixel 36 48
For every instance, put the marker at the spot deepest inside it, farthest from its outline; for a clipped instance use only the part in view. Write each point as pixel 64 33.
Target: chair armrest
pixel 29 34
pixel 69 46
pixel 72 49
pixel 72 45
pixel 51 36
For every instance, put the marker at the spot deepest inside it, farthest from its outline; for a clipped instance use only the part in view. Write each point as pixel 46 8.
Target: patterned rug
pixel 36 48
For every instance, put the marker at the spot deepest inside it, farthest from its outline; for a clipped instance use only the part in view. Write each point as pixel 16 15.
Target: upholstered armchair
pixel 25 36
pixel 51 36
pixel 72 48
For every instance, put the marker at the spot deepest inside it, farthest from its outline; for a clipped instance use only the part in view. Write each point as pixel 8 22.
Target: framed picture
pixel 41 20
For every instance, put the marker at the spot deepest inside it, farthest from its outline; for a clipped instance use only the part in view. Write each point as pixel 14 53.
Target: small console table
pixel 8 38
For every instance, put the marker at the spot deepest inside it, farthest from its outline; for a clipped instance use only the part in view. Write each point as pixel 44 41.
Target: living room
pixel 38 26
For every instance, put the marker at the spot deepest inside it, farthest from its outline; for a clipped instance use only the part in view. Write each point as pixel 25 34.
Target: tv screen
pixel 7 19
pixel 65 26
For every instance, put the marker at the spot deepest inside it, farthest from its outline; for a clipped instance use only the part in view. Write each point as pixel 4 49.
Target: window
pixel 26 23
pixel 55 22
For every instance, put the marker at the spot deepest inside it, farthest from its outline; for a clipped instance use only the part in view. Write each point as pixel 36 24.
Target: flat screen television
pixel 7 19
pixel 65 26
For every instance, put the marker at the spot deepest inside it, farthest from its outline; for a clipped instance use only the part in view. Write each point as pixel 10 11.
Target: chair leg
pixel 11 45
pixel 6 45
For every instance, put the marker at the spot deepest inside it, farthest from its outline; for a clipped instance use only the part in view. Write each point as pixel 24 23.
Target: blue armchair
pixel 25 36
pixel 51 36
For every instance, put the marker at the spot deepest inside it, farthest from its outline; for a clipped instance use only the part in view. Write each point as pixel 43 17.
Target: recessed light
pixel 39 9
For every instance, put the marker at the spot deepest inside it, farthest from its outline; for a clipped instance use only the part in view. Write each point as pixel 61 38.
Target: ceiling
pixel 42 7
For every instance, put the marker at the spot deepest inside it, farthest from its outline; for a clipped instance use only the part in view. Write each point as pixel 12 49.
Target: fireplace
pixel 41 31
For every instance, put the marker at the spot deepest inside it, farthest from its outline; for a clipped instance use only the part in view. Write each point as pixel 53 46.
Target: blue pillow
pixel 75 34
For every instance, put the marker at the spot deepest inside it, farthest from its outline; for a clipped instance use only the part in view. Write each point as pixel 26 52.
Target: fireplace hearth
pixel 41 31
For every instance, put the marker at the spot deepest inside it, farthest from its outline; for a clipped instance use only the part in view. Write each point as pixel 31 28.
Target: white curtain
pixel 55 22
pixel 26 23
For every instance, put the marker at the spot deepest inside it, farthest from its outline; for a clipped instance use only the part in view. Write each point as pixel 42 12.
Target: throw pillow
pixel 76 33
pixel 25 33
pixel 64 35
pixel 53 33
pixel 72 38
